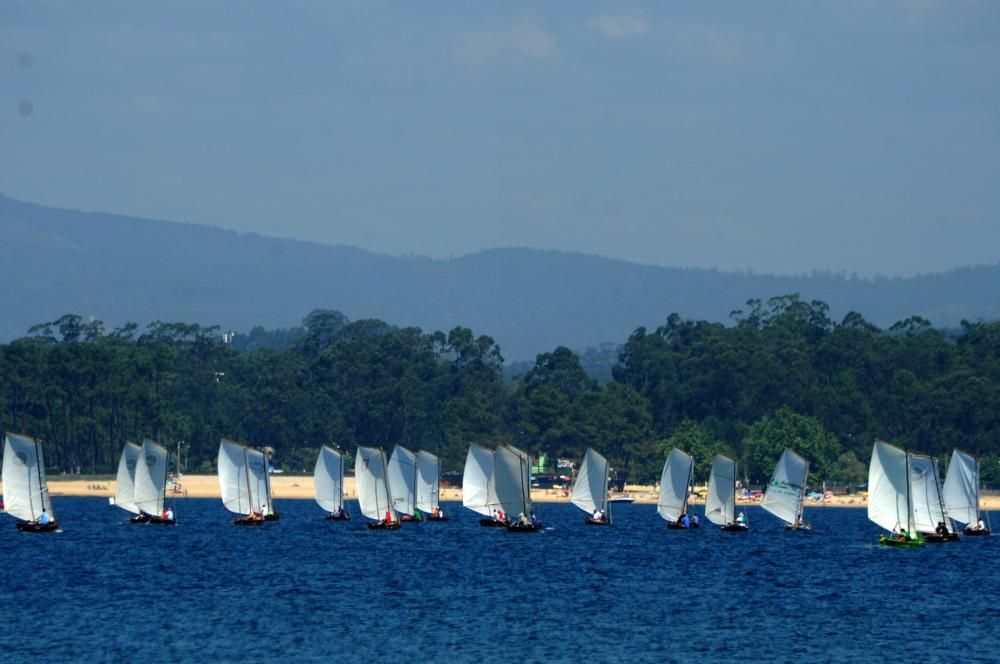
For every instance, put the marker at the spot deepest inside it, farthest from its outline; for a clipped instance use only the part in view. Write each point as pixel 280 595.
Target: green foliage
pixel 700 442
pixel 772 434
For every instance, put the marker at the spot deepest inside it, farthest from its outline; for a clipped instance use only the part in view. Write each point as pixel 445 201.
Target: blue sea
pixel 304 589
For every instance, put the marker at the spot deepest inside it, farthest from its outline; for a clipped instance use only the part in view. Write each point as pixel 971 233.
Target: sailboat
pixel 590 490
pixel 786 492
pixel 125 482
pixel 429 487
pixel 402 475
pixel 720 505
pixel 240 484
pixel 930 519
pixel 373 489
pixel 25 489
pixel 675 487
pixel 961 494
pixel 329 483
pixel 512 474
pixel 151 484
pixel 479 487
pixel 889 498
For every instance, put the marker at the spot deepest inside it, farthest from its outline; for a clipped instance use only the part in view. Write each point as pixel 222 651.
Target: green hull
pixel 905 544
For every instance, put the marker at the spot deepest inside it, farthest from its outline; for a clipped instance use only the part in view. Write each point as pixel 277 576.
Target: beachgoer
pixel 43 518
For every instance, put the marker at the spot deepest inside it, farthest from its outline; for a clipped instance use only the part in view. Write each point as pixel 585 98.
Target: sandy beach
pixel 301 487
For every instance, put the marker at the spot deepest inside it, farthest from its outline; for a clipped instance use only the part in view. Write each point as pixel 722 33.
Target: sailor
pixel 941 528
pixel 694 520
pixel 741 519
pixel 597 516
pixel 534 519
pixel 981 525
pixel 168 514
pixel 685 521
pixel 388 516
pixel 43 518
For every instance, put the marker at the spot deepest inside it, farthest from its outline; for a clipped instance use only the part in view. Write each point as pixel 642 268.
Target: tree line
pixel 781 374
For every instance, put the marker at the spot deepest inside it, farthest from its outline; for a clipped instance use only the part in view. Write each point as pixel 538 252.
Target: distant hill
pixel 121 269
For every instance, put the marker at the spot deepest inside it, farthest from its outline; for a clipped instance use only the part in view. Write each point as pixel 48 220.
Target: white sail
pixel 478 488
pixel 402 474
pixel 25 489
pixel 372 486
pixel 233 477
pixel 887 488
pixel 125 481
pixel 428 482
pixel 511 474
pixel 151 478
pixel 590 490
pixel 720 505
pixel 674 485
pixel 259 485
pixel 783 497
pixel 961 488
pixel 925 495
pixel 329 480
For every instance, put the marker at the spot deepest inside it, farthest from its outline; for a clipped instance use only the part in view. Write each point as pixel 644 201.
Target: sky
pixel 859 136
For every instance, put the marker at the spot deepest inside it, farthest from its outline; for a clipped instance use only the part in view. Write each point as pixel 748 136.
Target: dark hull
pixel 736 528
pixel 379 525
pixel 406 518
pixel 934 538
pixel 154 520
pixel 976 532
pixel 440 517
pixel 492 523
pixel 522 528
pixel 248 521
pixel 139 518
pixel 343 516
pixel 28 527
pixel 274 516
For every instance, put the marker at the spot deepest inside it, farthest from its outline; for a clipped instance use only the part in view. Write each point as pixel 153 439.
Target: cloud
pixel 525 41
pixel 621 27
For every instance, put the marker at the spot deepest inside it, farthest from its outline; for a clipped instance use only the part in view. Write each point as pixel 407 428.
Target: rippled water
pixel 317 590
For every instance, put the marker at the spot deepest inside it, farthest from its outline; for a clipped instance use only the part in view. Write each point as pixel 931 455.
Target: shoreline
pixel 301 488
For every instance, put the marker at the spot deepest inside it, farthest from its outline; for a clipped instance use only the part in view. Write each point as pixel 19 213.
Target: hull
pixel 935 538
pixel 439 517
pixel 343 516
pixel 621 499
pixel 524 528
pixel 273 516
pixel 736 528
pixel 408 518
pixel 977 532
pixel 885 540
pixel 492 523
pixel 802 529
pixel 592 522
pixel 249 521
pixel 29 527
pixel 381 525
pixel 139 518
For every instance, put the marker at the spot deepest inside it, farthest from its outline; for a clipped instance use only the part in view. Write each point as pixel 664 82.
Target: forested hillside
pixel 782 374
pixel 120 269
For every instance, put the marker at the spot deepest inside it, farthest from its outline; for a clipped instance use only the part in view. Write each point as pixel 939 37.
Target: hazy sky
pixel 779 136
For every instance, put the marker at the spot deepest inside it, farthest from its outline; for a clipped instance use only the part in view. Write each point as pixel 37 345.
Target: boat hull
pixel 885 540
pixel 440 517
pixel 736 528
pixel 343 516
pixel 593 522
pixel 273 516
pixel 801 529
pixel 380 525
pixel 492 523
pixel 28 527
pixel 977 532
pixel 523 528
pixel 249 521
pixel 935 538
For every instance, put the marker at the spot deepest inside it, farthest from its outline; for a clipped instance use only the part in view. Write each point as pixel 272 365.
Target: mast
pixel 38 467
pixel 909 505
pixel 687 489
pixel 736 472
pixel 937 487
pixel 607 505
pixel 246 469
pixel 802 498
pixel 385 481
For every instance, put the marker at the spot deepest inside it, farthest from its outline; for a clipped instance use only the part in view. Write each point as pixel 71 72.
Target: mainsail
pixel 329 480
pixel 25 489
pixel 590 490
pixel 372 485
pixel 234 478
pixel 478 487
pixel 925 496
pixel 674 484
pixel 151 478
pixel 786 489
pixel 125 481
pixel 961 488
pixel 260 491
pixel 512 476
pixel 403 479
pixel 428 482
pixel 720 505
pixel 888 488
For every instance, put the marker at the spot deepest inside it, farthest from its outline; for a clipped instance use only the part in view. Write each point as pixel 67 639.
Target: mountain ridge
pixel 127 269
